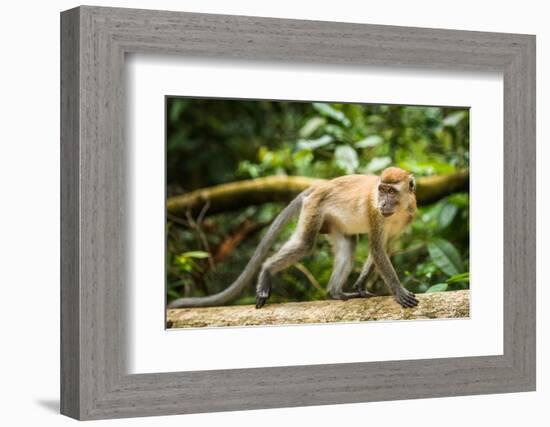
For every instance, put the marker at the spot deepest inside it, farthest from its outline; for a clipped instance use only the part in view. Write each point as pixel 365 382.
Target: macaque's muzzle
pixel 386 208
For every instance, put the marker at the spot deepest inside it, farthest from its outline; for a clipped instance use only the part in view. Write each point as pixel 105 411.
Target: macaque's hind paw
pixel 358 294
pixel 362 293
pixel 344 296
pixel 406 298
pixel 359 286
pixel 260 301
pixel 263 290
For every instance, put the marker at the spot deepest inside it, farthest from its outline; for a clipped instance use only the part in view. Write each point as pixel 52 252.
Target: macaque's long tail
pixel 253 267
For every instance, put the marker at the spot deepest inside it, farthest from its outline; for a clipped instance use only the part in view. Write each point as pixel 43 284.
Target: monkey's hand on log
pixel 406 298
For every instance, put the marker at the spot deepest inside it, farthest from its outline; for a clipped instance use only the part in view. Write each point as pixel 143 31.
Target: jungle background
pixel 212 229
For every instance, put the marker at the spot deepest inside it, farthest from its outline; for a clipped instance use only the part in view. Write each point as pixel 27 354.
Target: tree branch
pixel 236 195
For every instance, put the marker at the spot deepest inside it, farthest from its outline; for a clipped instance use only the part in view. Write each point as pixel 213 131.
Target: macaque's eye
pixel 392 190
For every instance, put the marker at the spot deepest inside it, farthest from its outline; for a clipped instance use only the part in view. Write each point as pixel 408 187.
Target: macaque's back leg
pixel 344 249
pixel 298 246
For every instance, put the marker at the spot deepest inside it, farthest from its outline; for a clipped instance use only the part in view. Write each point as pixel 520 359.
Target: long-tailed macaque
pixel 381 207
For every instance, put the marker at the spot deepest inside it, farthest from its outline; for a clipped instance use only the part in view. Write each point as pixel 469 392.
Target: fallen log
pixel 436 305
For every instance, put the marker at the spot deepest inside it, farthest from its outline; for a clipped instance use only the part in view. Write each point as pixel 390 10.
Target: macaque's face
pixel 395 188
pixel 389 198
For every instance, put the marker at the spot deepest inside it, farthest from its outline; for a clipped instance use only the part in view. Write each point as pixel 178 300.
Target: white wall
pixel 29 211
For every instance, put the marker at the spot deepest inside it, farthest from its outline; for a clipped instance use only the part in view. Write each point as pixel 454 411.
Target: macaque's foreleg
pixel 385 268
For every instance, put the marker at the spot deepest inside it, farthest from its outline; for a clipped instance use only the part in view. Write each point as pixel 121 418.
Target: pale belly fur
pixel 355 221
pixel 352 221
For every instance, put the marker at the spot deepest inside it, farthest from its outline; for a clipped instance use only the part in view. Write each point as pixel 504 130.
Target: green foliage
pixel 346 158
pixel 440 287
pixel 215 141
pixel 459 278
pixel 332 113
pixel 369 141
pixel 445 256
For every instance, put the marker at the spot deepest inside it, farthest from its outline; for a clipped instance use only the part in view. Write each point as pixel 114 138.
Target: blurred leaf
pixel 440 287
pixel 426 167
pixel 248 168
pixel 346 158
pixel 268 211
pixel 463 277
pixel 370 141
pixel 246 300
pixel 422 287
pixel 196 254
pixel 178 106
pixel 302 159
pixel 185 264
pixel 311 126
pixel 328 111
pixel 172 294
pixel 446 215
pixel 312 144
pixel 461 200
pixel 336 131
pixel 445 256
pixel 377 164
pixel 454 119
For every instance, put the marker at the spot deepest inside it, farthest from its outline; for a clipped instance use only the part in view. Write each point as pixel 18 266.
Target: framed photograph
pixel 262 213
pixel 330 151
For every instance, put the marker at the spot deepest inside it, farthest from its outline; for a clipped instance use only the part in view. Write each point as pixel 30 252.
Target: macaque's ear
pixel 412 184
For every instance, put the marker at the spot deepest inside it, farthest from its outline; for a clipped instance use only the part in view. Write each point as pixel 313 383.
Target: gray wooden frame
pixel 94 41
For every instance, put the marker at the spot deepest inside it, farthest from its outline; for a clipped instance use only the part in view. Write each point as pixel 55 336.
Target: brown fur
pixel 345 200
pixel 342 207
pixel 394 175
pixel 350 191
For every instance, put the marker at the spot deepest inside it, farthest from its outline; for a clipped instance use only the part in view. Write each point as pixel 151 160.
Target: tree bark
pixel 236 195
pixel 430 189
pixel 437 305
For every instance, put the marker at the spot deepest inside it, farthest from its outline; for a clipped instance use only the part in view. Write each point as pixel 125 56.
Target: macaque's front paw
pixel 406 298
